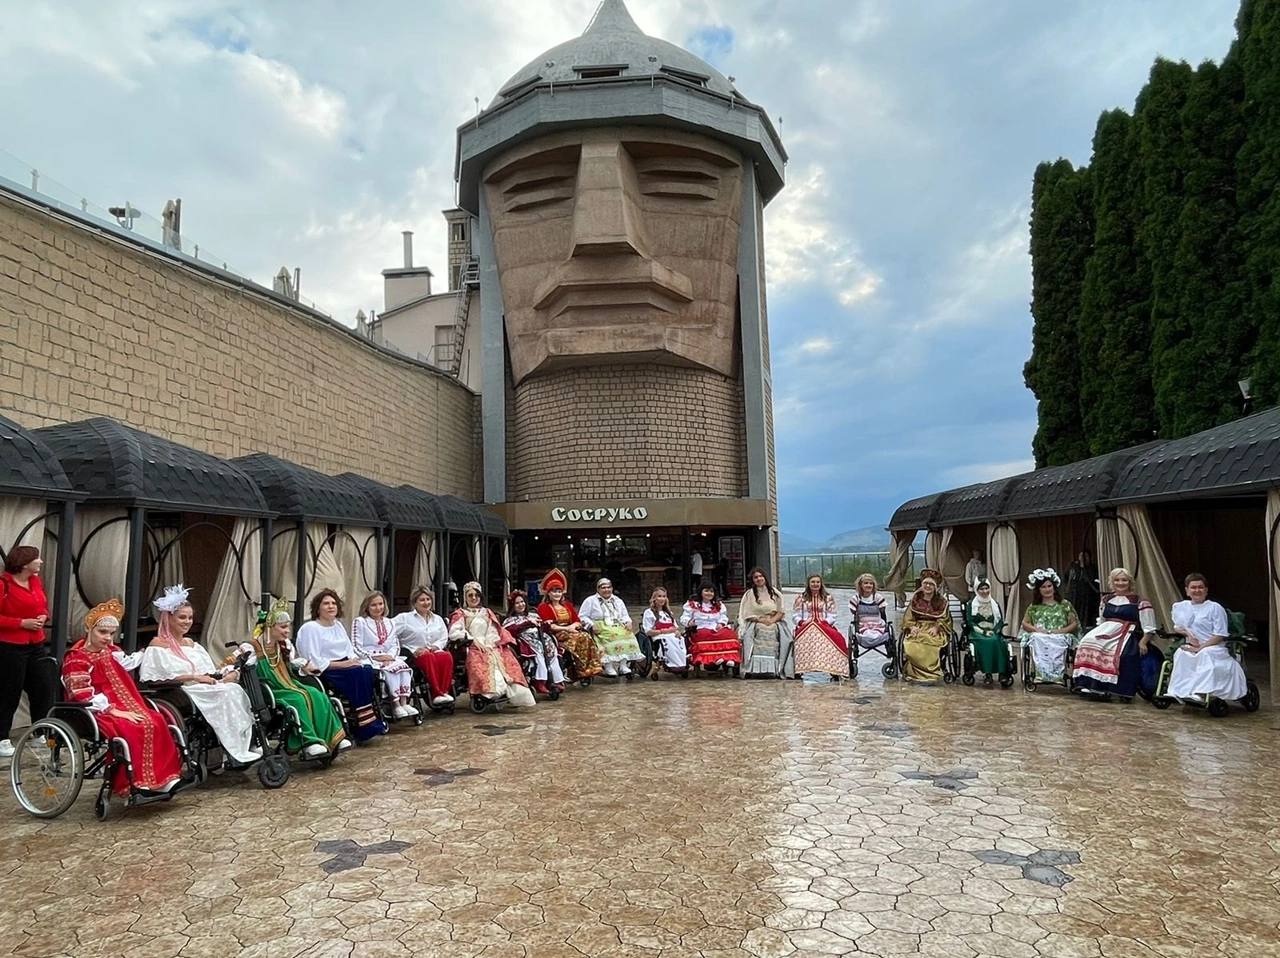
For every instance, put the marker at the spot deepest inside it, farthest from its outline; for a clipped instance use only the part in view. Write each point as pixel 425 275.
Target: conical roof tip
pixel 612 16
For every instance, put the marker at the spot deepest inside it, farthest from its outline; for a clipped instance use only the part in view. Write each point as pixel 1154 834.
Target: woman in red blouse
pixel 24 610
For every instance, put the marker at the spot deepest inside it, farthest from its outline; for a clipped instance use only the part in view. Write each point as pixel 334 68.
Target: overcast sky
pixel 311 134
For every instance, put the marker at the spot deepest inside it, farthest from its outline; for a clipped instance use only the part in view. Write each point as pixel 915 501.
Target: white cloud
pixel 817 346
pixel 804 247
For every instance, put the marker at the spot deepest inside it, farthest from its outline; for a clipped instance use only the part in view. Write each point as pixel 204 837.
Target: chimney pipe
pixel 408 249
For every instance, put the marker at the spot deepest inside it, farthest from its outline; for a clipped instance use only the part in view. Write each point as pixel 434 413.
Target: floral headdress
pixel 1042 575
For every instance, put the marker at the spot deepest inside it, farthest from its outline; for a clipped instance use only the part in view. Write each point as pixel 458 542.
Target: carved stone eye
pixel 539 185
pixel 679 177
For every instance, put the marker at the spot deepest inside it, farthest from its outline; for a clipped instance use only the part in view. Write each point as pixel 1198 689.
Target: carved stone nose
pixel 606 214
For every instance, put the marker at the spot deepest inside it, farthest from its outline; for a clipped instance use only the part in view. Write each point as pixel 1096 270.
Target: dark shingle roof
pixel 461 516
pixel 296 492
pixel 114 463
pixel 493 524
pixel 981 502
pixel 1075 488
pixel 403 506
pixel 28 467
pixel 1234 458
pixel 916 513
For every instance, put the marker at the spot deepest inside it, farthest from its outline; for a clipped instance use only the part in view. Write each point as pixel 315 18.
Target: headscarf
pixel 973 603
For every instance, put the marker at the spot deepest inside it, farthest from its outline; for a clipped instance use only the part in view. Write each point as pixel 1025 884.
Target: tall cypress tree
pixel 1162 153
pixel 1115 307
pixel 1200 354
pixel 1061 237
pixel 1258 192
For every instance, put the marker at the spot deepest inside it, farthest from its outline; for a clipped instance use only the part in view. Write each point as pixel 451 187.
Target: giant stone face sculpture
pixel 617 245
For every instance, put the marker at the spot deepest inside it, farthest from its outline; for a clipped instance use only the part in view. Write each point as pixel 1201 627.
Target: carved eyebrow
pixel 685 177
pixel 538 185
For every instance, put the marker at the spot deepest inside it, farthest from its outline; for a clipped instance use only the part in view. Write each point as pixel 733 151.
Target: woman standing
pixel 492 669
pixel 1109 657
pixel 820 648
pixel 537 641
pixel 319 731
pixel 1049 626
pixel 760 623
pixel 562 619
pixel 713 642
pixel 926 629
pixel 426 636
pixel 214 691
pixel 374 636
pixel 986 627
pixel 24 611
pixel 326 644
pixel 659 622
pixel 95 673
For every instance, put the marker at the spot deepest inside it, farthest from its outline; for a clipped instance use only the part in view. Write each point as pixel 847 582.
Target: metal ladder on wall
pixel 468 280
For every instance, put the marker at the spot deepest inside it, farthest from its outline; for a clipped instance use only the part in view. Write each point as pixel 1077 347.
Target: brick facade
pixel 90 326
pixel 661 431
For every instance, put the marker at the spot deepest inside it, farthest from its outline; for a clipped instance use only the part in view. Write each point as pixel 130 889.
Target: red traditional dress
pixel 90 676
pixel 713 641
pixel 581 646
pixel 818 643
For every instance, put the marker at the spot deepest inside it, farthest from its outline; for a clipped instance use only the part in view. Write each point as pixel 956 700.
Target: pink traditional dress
pixel 492 668
pixel 819 645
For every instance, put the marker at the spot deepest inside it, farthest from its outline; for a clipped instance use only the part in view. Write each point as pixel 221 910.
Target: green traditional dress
pixel 986 622
pixel 1048 650
pixel 319 723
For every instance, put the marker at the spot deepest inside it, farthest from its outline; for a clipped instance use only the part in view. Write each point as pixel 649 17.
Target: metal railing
pixel 838 568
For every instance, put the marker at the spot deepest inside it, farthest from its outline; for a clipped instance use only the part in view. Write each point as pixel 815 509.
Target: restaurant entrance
pixel 637 560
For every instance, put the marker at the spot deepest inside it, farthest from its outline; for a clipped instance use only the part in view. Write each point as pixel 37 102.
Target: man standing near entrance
pixel 605 616
pixel 695 570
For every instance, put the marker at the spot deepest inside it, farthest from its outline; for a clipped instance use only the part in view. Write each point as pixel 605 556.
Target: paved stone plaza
pixel 700 817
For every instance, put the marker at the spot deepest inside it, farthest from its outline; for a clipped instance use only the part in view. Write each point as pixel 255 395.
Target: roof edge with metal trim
pixel 28 467
pixel 297 492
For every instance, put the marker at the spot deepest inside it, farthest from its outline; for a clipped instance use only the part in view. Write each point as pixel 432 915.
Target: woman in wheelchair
pixel 492 670
pixel 215 692
pixel 326 644
pixel 425 636
pixel 985 623
pixel 867 613
pixel 319 730
pixel 95 673
pixel 1203 665
pixel 1049 629
pixel 712 641
pixel 762 625
pixel 534 642
pixel 927 630
pixel 659 626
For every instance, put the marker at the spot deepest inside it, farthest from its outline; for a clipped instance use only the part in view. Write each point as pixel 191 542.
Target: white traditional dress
pixel 662 625
pixel 224 705
pixel 763 646
pixel 610 623
pixel 375 637
pixel 1212 671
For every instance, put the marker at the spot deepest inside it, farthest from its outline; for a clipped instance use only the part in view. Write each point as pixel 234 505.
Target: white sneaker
pixel 344 745
pixel 442 700
pixel 410 711
pixel 610 671
pixel 624 669
pixel 6 749
pixel 315 750
pixel 400 711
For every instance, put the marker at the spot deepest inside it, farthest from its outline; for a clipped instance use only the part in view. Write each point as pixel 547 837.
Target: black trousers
pixel 30 669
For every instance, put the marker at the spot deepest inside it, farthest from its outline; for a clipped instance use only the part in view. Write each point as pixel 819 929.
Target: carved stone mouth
pixel 613 281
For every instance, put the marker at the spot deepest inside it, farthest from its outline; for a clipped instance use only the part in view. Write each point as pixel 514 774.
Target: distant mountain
pixel 797 545
pixel 866 539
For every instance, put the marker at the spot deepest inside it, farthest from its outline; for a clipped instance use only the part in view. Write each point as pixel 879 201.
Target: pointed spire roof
pixel 614 42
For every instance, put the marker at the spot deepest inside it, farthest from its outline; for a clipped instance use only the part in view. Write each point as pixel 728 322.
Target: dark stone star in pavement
pixel 492 730
pixel 889 729
pixel 348 854
pixel 442 776
pixel 1039 866
pixel 953 781
pixel 866 699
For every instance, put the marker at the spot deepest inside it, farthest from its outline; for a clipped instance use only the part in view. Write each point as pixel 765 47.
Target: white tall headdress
pixel 174 598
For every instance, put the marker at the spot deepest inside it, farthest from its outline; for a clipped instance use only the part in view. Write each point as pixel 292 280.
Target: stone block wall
pixel 626 431
pixel 92 326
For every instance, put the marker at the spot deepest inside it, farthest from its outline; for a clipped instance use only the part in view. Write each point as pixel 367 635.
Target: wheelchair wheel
pixel 1218 708
pixel 102 805
pixel 478 703
pixel 273 771
pixel 47 768
pixel 1251 698
pixel 889 670
pixel 968 678
pixel 642 667
pixel 1006 681
pixel 553 693
pixel 853 667
pixel 1161 702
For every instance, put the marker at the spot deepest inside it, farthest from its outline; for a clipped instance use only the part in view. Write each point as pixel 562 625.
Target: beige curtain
pixel 900 562
pixel 1107 536
pixel 171 571
pixel 328 574
pixel 933 550
pixel 506 564
pixel 359 576
pixel 15 513
pixel 231 614
pixel 475 559
pixel 952 582
pixel 284 582
pixel 1004 568
pixel 102 565
pixel 1273 563
pixel 1155 581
